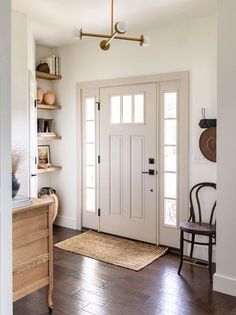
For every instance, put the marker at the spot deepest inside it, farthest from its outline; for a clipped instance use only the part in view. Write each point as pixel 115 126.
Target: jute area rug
pixel 114 250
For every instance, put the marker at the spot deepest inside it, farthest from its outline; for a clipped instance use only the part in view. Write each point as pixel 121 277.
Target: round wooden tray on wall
pixel 207 144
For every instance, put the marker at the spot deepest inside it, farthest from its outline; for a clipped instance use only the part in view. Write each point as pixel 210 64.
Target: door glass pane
pixel 170 132
pixel 170 159
pixel 139 108
pixel 170 185
pixel 170 212
pixel 115 109
pixel 127 109
pixel 90 154
pixel 90 176
pixel 90 131
pixel 90 199
pixel 90 108
pixel 170 100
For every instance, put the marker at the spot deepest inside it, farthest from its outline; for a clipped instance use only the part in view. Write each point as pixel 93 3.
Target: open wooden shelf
pixel 49 169
pixel 43 138
pixel 48 107
pixel 47 76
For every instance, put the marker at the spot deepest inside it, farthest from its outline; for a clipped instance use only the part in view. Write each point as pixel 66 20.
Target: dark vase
pixel 15 186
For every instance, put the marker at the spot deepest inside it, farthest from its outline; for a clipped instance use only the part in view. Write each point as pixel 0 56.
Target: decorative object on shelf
pixel 53 63
pixel 206 123
pixel 116 30
pixel 50 193
pixel 207 144
pixel 17 159
pixel 45 126
pixel 39 95
pixel 43 67
pixel 49 98
pixel 44 159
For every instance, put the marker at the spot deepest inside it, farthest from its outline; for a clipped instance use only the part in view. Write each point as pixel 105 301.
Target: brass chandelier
pixel 117 29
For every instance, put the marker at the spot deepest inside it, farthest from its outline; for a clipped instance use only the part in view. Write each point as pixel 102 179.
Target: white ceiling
pixel 54 20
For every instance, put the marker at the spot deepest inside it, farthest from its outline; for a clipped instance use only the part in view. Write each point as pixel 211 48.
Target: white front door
pixel 128 161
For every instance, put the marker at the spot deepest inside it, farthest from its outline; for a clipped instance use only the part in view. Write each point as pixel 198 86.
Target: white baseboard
pixel 67 222
pixel 224 284
pixel 201 252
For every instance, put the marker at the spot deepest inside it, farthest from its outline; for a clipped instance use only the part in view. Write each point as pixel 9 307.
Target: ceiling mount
pixel 118 29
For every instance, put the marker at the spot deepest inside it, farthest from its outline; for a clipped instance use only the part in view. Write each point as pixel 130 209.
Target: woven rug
pixel 113 250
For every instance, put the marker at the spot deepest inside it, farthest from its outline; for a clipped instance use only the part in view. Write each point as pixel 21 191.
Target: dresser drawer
pixel 30 276
pixel 29 222
pixel 31 250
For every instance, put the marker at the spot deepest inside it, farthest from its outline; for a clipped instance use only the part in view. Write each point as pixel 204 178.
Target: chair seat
pixel 198 228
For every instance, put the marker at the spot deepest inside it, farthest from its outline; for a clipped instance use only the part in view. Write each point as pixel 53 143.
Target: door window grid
pixel 127 109
pixel 170 159
pixel 90 154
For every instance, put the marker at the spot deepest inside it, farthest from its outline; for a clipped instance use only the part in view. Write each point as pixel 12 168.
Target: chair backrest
pixel 196 213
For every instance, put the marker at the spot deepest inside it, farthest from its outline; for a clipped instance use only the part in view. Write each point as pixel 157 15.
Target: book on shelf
pixel 20 201
pixel 53 64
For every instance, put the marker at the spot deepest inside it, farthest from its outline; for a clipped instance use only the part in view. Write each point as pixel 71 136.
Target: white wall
pixel 23 60
pixel 5 161
pixel 225 277
pixel 189 45
pixel 20 113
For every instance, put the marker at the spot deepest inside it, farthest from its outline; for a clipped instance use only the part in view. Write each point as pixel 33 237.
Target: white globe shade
pixel 121 27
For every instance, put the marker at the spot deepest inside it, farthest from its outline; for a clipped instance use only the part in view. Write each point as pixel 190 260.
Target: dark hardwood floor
pixel 86 286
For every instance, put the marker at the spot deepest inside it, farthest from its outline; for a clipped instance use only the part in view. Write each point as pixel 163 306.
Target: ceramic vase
pixel 49 98
pixel 15 186
pixel 39 95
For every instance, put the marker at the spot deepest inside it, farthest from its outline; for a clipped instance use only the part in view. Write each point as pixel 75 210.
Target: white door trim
pixel 5 160
pixel 183 77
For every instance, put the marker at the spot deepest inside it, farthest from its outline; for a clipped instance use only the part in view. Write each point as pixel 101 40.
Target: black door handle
pixel 150 172
pixel 32 175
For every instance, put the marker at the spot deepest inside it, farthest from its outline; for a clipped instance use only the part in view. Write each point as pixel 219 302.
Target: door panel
pixel 127 141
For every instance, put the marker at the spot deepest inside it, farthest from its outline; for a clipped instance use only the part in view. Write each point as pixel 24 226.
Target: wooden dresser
pixel 33 248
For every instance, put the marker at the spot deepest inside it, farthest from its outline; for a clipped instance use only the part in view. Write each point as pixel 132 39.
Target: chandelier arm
pixel 112 16
pixel 109 37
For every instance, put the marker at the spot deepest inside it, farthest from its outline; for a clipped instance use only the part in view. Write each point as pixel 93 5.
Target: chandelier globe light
pixel 117 30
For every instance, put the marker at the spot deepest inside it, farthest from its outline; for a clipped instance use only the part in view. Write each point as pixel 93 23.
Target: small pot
pixel 49 98
pixel 15 186
pixel 39 95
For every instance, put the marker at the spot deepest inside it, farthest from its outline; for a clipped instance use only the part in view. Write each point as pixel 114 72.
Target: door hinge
pixel 99 105
pixel 35 160
pixel 99 212
pixel 99 159
pixel 35 103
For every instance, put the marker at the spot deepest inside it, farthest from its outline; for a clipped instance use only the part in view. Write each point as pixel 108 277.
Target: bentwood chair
pixel 194 226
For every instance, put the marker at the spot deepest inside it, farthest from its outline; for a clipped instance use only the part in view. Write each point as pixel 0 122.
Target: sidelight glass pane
pixel 115 110
pixel 170 105
pixel 90 154
pixel 90 176
pixel 90 108
pixel 170 132
pixel 139 108
pixel 170 212
pixel 127 109
pixel 170 185
pixel 90 199
pixel 170 159
pixel 90 131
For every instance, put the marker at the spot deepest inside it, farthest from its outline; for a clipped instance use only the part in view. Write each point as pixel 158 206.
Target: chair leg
pixel 181 251
pixel 210 258
pixel 192 246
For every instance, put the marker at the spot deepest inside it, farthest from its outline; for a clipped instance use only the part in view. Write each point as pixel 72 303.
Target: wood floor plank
pixel 85 286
